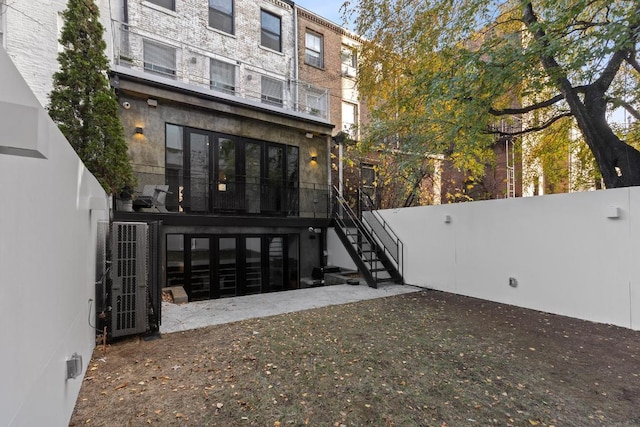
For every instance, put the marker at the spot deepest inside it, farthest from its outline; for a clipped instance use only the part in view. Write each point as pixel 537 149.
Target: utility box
pixel 129 278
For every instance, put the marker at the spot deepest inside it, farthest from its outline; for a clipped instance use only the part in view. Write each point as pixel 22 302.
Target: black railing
pixel 377 225
pixel 193 194
pixel 357 238
pixel 380 229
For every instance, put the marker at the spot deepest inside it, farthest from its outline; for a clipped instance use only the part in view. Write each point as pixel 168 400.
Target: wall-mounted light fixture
pixel 152 102
pixel 613 212
pixel 139 130
pixel 308 135
pixel 447 219
pixel 314 158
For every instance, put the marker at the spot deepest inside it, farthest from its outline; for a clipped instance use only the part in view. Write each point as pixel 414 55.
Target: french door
pixel 209 172
pixel 219 266
pixel 214 173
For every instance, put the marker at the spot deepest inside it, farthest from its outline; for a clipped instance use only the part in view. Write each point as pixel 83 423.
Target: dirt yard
pixel 421 359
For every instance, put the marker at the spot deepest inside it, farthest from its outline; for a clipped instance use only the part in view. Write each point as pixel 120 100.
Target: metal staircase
pixel 371 243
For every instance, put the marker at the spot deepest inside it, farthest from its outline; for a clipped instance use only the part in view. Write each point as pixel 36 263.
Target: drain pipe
pixel 295 50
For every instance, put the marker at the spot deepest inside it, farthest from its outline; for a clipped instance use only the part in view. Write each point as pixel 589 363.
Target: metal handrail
pixel 399 245
pixel 354 218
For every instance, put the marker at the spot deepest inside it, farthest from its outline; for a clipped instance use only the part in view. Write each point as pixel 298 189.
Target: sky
pixel 329 9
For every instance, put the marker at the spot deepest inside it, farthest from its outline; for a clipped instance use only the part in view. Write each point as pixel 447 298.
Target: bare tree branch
pixel 627 106
pixel 543 126
pixel 527 109
pixel 533 107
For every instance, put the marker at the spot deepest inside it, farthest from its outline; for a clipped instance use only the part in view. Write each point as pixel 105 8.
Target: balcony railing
pixel 198 195
pixel 170 59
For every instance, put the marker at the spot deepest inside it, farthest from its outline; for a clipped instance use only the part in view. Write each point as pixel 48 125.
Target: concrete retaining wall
pixel 571 254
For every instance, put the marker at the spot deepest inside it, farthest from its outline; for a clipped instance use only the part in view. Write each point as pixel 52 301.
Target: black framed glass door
pixel 253 172
pixel 253 265
pixel 228 190
pixel 209 172
pixel 227 267
pixel 273 188
pixel 219 266
pixel 199 268
pixel 197 170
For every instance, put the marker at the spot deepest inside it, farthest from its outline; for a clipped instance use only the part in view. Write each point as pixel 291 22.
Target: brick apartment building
pixel 219 130
pixel 328 56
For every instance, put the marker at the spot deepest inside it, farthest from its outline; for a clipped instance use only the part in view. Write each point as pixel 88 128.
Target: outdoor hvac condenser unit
pixel 129 278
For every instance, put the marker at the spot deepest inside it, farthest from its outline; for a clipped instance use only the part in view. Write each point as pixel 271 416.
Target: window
pixel 368 179
pixel 350 119
pixel 271 92
pixel 221 15
pixel 314 52
pixel 223 76
pixel 271 31
pixel 212 266
pixel 160 59
pixel 213 172
pixel 317 103
pixel 168 4
pixel 349 61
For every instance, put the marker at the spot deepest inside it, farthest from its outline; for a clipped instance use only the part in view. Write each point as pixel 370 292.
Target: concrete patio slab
pixel 182 317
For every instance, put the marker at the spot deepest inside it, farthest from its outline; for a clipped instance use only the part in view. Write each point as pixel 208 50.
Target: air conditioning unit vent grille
pixel 130 244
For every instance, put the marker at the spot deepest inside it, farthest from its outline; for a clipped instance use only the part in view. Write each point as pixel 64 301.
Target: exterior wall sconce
pixel 139 130
pixel 308 135
pixel 152 102
pixel 613 212
pixel 447 219
pixel 314 158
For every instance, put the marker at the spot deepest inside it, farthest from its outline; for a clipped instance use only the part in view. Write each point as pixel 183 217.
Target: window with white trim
pixel 221 15
pixel 314 52
pixel 349 61
pixel 270 31
pixel 368 179
pixel 271 91
pixel 223 76
pixel 350 119
pixel 159 58
pixel 167 4
pixel 317 103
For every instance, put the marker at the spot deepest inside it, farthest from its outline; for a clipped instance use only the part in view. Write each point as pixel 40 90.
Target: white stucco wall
pixel 50 206
pixel 567 256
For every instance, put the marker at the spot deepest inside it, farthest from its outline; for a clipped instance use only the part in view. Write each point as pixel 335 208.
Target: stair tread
pixel 369 255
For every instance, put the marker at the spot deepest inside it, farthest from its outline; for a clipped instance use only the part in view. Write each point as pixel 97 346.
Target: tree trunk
pixel 619 163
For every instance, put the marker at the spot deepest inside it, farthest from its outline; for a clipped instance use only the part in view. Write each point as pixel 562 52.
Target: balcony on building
pixel 240 195
pixel 154 57
pixel 253 178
